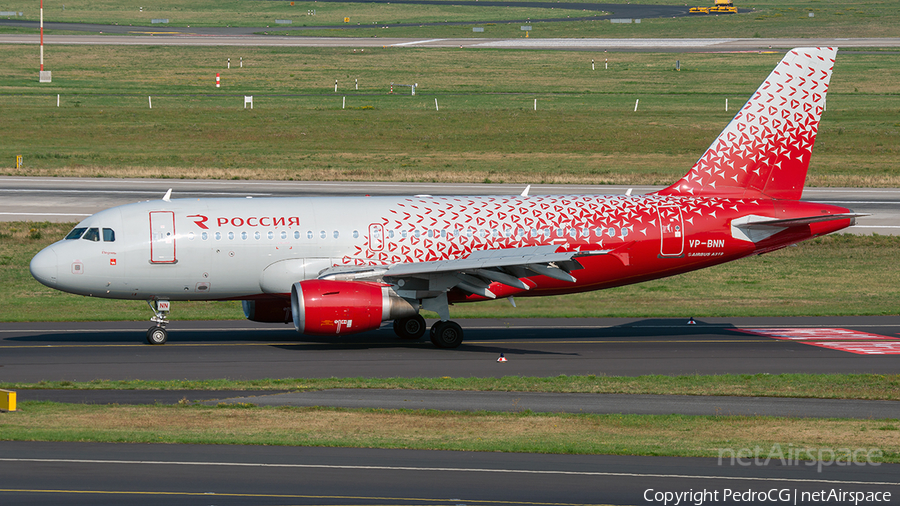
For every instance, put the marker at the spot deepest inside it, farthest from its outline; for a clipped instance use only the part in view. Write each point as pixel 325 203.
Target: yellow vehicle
pixel 720 7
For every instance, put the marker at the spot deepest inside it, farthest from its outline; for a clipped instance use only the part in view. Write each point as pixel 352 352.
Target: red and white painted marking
pixel 852 341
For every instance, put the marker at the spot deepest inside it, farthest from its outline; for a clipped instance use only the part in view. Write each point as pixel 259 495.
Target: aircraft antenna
pixel 168 196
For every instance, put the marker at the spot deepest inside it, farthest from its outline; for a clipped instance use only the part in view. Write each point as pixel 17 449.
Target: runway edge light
pixel 7 400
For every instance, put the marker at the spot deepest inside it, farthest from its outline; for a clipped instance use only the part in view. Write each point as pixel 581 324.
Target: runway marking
pixel 864 348
pixel 125 192
pixel 401 500
pixel 43 214
pixel 444 469
pixel 416 42
pixel 851 341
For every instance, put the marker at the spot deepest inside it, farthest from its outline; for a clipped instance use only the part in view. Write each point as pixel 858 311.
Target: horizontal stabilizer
pixel 757 228
pixel 806 220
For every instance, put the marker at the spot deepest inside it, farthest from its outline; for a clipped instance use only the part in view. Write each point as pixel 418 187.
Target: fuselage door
pixel 162 237
pixel 376 237
pixel 671 228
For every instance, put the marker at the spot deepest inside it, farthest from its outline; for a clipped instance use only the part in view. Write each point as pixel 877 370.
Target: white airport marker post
pixel 335 85
pixel 57 100
pixel 636 104
pixel 242 62
pixel 726 105
pixel 592 64
pixel 535 104
pixel 150 101
pixel 435 105
pixel 344 103
pixel 229 63
pixel 357 84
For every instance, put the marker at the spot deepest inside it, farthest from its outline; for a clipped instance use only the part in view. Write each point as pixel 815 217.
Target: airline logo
pixel 250 221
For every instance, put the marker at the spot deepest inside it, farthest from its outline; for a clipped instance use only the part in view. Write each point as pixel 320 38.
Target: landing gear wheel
pixel 412 328
pixel 446 334
pixel 157 335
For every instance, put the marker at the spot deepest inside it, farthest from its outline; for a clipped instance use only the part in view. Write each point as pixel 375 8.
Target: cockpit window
pixel 109 235
pixel 93 234
pixel 76 233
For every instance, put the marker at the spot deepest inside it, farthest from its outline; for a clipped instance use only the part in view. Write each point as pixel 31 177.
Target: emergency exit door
pixel 162 237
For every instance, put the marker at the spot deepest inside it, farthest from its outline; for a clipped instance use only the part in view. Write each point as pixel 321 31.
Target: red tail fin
pixel 764 152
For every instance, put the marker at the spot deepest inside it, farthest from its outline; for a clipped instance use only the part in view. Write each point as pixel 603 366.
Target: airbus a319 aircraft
pixel 338 266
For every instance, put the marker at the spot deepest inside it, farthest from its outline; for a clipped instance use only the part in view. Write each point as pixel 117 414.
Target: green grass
pixel 584 131
pixel 820 386
pixel 818 277
pixel 670 435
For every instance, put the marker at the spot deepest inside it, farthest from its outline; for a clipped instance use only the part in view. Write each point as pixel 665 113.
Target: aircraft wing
pixel 473 274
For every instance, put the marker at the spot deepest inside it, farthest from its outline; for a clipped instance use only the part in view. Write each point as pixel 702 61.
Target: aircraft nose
pixel 44 267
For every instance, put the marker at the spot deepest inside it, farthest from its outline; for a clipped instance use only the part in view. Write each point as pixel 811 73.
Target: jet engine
pixel 267 310
pixel 326 307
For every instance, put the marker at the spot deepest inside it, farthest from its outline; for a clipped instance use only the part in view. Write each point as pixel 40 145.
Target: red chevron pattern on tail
pixel 764 152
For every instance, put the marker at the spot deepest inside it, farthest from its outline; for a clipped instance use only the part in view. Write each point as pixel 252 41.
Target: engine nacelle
pixel 267 310
pixel 326 307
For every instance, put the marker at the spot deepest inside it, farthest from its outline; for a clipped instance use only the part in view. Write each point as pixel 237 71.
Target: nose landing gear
pixel 158 334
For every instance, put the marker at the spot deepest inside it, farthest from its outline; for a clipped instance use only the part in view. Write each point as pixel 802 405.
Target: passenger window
pixel 76 233
pixel 283 234
pixel 93 234
pixel 203 235
pixel 244 235
pixel 296 234
pixel 256 235
pixel 218 236
pixel 230 236
pixel 309 234
pixel 109 235
pixel 322 234
pixel 356 234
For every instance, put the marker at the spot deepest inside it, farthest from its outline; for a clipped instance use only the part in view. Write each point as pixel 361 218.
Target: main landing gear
pixel 444 334
pixel 158 334
pixel 411 328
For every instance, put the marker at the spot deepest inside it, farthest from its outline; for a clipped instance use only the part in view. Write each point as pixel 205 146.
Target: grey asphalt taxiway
pixel 73 199
pixel 83 351
pixel 103 473
pixel 79 473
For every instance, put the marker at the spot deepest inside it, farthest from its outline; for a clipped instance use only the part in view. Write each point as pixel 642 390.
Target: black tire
pixel 157 335
pixel 446 334
pixel 412 328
